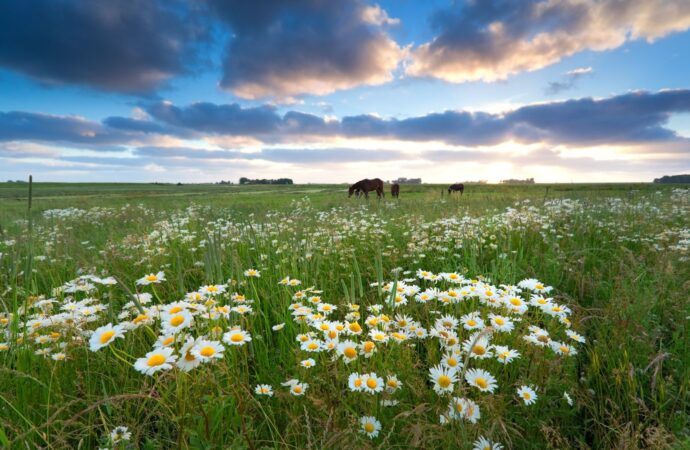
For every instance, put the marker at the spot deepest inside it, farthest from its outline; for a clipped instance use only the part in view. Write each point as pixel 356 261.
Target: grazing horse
pixel 456 187
pixel 395 190
pixel 366 185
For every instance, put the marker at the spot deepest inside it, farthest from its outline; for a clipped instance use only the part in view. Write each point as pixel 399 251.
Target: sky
pixel 323 91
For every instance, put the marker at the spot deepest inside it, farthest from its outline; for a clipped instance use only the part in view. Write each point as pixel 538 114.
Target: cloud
pixel 279 155
pixel 491 40
pixel 286 48
pixel 569 80
pixel 27 126
pixel 628 119
pixel 125 45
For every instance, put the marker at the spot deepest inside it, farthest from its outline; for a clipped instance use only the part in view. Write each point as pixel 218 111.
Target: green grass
pixel 602 247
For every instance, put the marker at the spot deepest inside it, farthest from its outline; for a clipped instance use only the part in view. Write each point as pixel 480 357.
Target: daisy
pixel 504 354
pixel 312 345
pixel 236 336
pixel 392 383
pixel 355 382
pixel 188 360
pixel 165 340
pixel 367 348
pixel 252 273
pixel 104 335
pixel 120 434
pixel 478 346
pixel 212 289
pixel 563 349
pixel 472 321
pixel 370 426
pixel 151 278
pixel 173 323
pixel 481 379
pixel 264 389
pixel 567 398
pixel 484 444
pixel 464 408
pixel 451 362
pixel 296 388
pixel 308 363
pixel 278 327
pixel 207 350
pixel 501 323
pixel 158 359
pixel 348 350
pixel 527 394
pixel 575 336
pixel 372 383
pixel 443 378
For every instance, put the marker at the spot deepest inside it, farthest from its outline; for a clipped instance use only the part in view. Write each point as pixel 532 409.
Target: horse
pixel 366 185
pixel 395 190
pixel 456 187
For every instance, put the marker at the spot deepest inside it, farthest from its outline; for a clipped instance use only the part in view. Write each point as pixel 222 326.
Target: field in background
pixel 616 254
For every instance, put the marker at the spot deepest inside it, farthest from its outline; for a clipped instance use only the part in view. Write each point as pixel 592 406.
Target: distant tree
pixel 245 180
pixel 685 178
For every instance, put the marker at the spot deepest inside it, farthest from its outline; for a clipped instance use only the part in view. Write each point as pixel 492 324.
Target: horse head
pixel 350 190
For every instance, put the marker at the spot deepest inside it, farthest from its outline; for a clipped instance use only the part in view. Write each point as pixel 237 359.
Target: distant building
pixel 477 182
pixel 403 180
pixel 514 181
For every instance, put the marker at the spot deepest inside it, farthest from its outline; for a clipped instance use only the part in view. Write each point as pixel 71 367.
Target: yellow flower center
pixel 369 427
pixel 565 349
pixel 175 309
pixel 189 357
pixel 526 395
pixel 140 318
pixel 371 383
pixel 236 337
pixel 478 350
pixel 543 338
pixel 499 321
pixel 444 381
pixel 297 389
pixel 355 327
pixel 168 340
pixel 151 278
pixel 452 362
pixel 207 351
pixel 515 301
pixel 107 336
pixel 539 286
pixel 472 322
pixel 155 360
pixel 368 346
pixel 481 382
pixel 358 382
pixel 350 352
pixel 177 320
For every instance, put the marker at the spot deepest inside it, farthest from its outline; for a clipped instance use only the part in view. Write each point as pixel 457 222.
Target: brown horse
pixel 366 185
pixel 395 190
pixel 456 187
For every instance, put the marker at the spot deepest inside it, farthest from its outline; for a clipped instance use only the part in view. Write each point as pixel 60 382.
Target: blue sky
pixel 209 90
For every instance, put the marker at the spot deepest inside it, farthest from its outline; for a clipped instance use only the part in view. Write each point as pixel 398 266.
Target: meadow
pixel 209 316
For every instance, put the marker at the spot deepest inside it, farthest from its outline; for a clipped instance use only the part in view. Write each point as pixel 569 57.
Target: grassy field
pixel 544 316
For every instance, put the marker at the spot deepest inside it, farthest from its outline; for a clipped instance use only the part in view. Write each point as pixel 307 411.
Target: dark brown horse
pixel 456 187
pixel 366 185
pixel 395 190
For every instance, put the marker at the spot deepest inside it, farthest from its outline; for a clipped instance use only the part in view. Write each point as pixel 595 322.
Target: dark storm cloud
pixel 123 45
pixel 633 118
pixel 283 48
